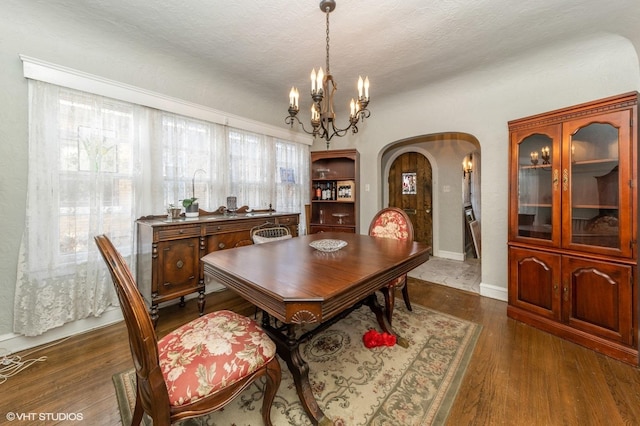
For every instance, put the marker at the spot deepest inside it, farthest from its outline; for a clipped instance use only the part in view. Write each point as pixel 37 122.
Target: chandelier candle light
pixel 323 88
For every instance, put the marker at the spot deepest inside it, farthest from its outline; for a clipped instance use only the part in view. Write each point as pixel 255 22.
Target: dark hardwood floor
pixel 517 376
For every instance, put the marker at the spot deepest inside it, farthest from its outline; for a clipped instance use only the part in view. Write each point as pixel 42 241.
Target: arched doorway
pixel 444 152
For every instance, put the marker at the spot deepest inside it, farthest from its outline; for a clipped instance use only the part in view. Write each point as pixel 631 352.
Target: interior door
pixel 410 179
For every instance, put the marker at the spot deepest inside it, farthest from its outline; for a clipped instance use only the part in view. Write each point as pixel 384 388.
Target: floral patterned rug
pixel 355 385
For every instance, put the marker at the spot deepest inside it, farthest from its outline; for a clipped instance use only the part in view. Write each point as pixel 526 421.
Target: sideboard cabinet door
pixel 178 266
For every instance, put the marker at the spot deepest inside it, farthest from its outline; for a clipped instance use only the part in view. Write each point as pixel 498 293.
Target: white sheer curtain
pixel 292 179
pixel 97 164
pixel 251 171
pixel 81 180
pixel 194 159
pixel 266 171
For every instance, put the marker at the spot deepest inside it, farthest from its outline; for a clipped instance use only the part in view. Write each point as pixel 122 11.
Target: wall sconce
pixel 467 167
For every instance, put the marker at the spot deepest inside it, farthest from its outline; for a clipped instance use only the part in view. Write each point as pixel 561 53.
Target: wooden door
pixel 410 179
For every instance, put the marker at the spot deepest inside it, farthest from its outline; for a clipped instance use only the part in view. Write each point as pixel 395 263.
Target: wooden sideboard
pixel 169 251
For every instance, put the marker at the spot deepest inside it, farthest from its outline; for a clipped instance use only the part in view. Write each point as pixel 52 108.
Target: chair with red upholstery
pixel 393 222
pixel 199 367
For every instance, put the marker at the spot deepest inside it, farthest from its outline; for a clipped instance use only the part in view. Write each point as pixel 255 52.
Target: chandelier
pixel 323 88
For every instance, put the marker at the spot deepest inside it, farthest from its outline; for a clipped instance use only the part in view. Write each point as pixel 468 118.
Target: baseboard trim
pixel 449 255
pixel 494 292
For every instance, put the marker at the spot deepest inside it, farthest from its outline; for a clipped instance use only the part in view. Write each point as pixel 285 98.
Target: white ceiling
pixel 400 44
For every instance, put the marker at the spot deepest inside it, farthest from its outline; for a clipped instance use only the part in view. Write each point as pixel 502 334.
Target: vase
pixel 192 210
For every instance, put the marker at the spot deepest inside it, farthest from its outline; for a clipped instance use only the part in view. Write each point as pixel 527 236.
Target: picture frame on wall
pixel 409 183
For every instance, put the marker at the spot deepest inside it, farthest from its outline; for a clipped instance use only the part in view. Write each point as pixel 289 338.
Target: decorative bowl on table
pixel 328 245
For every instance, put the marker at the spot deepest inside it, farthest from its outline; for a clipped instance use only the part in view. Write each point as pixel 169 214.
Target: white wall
pixel 479 104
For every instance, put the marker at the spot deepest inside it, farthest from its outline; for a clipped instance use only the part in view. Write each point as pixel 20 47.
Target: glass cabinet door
pixel 537 181
pixel 596 202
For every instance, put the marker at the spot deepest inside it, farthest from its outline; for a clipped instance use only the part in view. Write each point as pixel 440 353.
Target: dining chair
pixel 198 368
pixel 269 232
pixel 392 222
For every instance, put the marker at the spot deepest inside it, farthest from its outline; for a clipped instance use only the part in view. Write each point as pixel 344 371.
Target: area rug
pixel 355 385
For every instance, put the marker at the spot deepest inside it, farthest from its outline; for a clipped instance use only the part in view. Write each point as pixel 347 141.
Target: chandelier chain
pixel 328 70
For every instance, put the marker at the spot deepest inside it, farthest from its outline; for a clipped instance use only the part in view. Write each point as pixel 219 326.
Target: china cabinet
pixel 573 224
pixel 169 251
pixel 334 198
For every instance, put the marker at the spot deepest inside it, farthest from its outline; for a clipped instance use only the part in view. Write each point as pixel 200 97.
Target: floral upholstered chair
pixel 197 368
pixel 393 222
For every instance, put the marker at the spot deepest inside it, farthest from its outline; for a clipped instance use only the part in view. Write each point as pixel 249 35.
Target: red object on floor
pixel 373 338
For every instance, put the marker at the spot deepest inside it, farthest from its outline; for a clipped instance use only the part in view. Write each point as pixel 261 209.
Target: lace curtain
pixel 81 179
pixel 253 173
pixel 194 160
pixel 97 164
pixel 292 180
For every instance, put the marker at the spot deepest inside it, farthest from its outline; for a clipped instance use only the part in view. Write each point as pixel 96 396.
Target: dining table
pixel 302 290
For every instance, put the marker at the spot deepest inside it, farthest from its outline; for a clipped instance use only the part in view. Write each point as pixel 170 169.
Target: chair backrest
pixel 269 232
pixel 143 341
pixel 391 222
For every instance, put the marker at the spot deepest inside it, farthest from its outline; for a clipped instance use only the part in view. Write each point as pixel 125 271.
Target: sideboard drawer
pixel 171 233
pixel 287 220
pixel 222 227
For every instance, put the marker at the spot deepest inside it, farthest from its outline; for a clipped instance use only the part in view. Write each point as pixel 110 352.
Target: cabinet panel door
pixel 534 281
pixel 178 265
pixel 598 298
pixel 597 199
pixel 535 186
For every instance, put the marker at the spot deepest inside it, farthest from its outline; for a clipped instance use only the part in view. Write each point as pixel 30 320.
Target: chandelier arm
pixel 338 132
pixel 291 118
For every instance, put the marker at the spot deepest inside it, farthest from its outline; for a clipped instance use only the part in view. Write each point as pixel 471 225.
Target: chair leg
pixel 405 295
pixel 389 302
pixel 274 375
pixel 136 418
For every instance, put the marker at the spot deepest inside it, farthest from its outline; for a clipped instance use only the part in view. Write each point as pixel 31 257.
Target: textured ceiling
pixel 399 44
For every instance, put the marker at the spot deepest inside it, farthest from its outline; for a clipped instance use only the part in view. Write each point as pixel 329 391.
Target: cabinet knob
pixel 179 264
pixel 221 246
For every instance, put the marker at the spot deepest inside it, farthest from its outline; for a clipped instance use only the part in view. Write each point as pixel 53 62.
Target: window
pixel 96 164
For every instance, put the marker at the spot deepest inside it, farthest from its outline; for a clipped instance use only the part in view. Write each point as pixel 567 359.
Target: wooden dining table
pixel 295 284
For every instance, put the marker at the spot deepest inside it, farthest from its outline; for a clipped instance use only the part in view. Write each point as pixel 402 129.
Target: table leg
pixel 378 309
pixel 289 349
